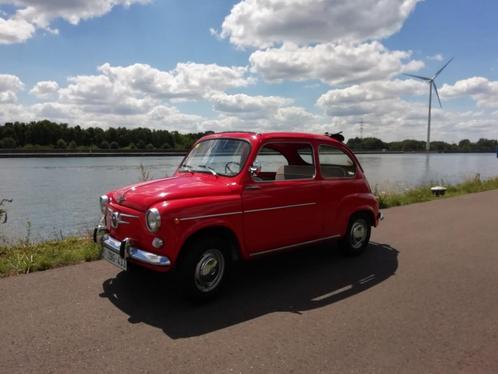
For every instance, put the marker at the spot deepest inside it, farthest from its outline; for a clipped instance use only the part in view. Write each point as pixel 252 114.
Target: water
pixel 59 196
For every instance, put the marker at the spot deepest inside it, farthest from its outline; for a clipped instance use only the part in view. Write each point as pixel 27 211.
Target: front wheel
pixel 357 236
pixel 203 269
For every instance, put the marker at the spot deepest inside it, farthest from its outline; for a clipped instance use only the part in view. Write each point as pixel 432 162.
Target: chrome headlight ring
pixel 104 202
pixel 153 220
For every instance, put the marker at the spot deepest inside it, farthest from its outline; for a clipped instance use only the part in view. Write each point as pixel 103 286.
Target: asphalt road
pixel 422 300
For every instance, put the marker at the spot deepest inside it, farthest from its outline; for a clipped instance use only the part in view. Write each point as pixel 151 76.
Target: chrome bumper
pixel 126 250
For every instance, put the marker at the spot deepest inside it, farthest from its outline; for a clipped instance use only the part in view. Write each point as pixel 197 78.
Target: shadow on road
pixel 293 282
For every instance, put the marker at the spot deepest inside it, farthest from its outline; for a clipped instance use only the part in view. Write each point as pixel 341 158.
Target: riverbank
pixel 55 153
pixel 145 153
pixel 423 193
pixel 24 257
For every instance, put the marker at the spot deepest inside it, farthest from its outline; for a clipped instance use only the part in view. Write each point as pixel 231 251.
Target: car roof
pixel 273 135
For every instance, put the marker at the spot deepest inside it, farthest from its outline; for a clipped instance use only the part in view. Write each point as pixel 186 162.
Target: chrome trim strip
pixel 279 207
pixel 127 215
pixel 245 211
pixel 210 216
pixel 122 214
pixel 293 245
pixel 136 253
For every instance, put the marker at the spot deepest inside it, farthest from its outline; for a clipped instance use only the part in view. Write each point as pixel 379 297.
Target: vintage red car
pixel 237 196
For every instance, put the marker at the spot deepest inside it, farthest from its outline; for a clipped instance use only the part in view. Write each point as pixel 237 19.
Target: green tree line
pixel 410 145
pixel 49 135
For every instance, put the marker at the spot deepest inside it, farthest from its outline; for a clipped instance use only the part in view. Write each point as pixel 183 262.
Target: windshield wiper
pixel 208 168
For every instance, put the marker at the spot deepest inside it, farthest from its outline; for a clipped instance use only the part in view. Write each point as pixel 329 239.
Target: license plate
pixel 114 258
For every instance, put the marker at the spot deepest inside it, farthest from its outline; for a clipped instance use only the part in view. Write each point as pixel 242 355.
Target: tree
pixel 114 145
pixel 104 144
pixel 149 147
pixel 72 145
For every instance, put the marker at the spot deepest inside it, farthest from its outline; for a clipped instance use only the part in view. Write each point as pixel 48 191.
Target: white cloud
pixel 40 14
pixel 44 89
pixel 436 57
pixel 10 85
pixel 483 91
pixel 187 80
pixel 240 104
pixel 370 93
pixel 332 63
pixel 264 23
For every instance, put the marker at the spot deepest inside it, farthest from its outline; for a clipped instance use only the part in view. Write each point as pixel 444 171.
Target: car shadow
pixel 295 282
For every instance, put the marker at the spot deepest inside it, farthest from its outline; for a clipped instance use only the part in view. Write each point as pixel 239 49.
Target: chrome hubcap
pixel 209 270
pixel 358 233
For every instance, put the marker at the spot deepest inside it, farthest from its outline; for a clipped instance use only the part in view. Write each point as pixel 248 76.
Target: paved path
pixel 424 300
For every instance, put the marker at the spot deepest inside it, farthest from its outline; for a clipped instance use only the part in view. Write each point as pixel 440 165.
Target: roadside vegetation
pixel 25 257
pixel 423 193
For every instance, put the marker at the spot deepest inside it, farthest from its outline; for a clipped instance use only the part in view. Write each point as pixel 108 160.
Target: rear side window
pixel 284 161
pixel 334 163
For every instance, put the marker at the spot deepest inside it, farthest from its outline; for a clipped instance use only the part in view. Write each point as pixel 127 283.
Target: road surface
pixel 423 299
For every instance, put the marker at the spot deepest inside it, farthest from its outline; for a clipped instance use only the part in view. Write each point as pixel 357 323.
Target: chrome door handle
pixel 253 187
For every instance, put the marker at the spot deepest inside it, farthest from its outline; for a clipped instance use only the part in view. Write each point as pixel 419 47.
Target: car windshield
pixel 217 156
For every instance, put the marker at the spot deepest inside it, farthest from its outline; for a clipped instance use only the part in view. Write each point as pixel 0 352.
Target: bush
pixel 114 145
pixel 149 147
pixel 61 144
pixel 104 144
pixel 8 143
pixel 72 145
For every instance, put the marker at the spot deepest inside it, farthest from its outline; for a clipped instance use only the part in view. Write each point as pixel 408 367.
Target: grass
pixel 24 257
pixel 423 193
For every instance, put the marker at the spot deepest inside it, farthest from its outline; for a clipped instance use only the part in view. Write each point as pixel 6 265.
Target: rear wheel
pixel 357 235
pixel 203 269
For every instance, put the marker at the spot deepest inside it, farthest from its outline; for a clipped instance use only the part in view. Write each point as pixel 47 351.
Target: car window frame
pixel 242 167
pixel 262 145
pixel 356 165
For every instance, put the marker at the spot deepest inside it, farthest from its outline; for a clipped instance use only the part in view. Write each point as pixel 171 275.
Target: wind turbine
pixel 432 83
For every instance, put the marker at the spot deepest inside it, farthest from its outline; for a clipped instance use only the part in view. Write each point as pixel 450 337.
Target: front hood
pixel 142 196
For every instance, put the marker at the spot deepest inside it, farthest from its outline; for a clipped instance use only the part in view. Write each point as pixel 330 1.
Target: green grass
pixel 23 258
pixel 423 193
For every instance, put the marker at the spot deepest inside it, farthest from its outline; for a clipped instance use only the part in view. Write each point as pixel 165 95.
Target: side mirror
pixel 255 168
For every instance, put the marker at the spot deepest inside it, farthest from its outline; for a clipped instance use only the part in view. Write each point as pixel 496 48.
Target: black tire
pixel 203 268
pixel 357 235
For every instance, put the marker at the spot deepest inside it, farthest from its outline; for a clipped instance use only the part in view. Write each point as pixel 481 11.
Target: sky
pixel 258 65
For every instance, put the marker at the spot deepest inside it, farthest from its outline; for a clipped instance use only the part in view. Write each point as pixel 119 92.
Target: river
pixel 59 196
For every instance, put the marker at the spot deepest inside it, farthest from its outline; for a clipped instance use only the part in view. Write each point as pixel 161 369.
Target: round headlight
pixel 153 220
pixel 104 201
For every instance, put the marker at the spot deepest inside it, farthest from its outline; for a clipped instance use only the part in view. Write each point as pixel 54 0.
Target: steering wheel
pixel 229 170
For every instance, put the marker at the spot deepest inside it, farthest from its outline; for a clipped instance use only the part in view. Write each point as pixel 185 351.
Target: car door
pixel 339 180
pixel 282 208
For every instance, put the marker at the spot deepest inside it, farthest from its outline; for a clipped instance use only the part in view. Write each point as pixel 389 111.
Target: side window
pixel 284 161
pixel 334 163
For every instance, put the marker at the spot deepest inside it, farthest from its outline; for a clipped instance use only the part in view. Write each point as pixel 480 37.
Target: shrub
pixel 61 144
pixel 8 143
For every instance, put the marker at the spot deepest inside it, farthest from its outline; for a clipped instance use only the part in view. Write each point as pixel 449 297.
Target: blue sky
pixel 310 65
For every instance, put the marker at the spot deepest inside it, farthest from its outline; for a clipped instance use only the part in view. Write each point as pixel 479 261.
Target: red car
pixel 237 196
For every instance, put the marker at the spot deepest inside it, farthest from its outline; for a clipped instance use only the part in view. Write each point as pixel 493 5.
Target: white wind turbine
pixel 432 84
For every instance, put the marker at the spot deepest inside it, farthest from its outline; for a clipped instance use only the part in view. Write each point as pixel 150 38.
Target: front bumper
pixel 125 249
